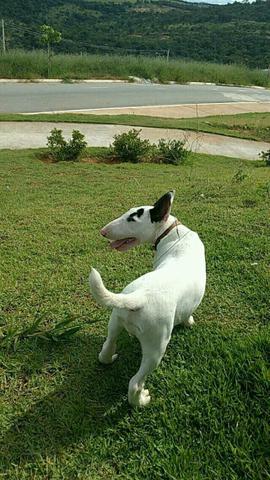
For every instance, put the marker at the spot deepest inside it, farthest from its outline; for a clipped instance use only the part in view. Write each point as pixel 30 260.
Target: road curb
pixel 132 80
pixel 57 80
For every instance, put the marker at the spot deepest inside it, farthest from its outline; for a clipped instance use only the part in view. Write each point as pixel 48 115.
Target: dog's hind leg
pixel 107 354
pixel 152 353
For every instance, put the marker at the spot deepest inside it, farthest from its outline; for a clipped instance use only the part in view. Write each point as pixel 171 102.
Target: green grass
pixel 30 65
pixel 64 416
pixel 252 126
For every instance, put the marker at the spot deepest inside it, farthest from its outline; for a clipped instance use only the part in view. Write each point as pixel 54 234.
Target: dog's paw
pixel 139 398
pixel 107 360
pixel 189 322
pixel 144 398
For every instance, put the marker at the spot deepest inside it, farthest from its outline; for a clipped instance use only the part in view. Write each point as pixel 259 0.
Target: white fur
pixel 150 306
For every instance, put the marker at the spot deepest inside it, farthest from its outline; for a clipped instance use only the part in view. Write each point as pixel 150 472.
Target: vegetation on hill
pixel 233 33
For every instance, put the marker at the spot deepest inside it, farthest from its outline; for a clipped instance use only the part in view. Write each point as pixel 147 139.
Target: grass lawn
pixel 252 126
pixel 64 416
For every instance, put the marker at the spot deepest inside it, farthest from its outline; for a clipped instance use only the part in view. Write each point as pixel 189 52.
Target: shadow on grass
pixel 90 399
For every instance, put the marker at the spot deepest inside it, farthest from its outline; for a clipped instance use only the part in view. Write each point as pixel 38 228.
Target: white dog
pixel 150 306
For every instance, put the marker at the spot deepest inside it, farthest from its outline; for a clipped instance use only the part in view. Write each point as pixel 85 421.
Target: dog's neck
pixel 165 229
pixel 171 242
pixel 166 232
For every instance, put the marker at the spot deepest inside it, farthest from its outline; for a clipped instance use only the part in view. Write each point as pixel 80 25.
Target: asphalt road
pixel 45 97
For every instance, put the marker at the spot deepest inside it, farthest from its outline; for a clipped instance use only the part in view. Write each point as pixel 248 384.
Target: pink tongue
pixel 124 244
pixel 118 243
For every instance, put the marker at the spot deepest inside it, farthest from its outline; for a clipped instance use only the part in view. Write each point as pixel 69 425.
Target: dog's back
pixel 177 283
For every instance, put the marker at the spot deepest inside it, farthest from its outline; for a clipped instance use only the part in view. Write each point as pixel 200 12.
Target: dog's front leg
pixel 152 353
pixel 107 354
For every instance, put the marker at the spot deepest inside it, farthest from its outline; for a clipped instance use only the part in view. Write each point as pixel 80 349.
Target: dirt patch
pixel 45 158
pixel 48 159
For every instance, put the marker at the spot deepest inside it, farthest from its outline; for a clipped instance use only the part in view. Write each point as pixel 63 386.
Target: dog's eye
pixel 131 219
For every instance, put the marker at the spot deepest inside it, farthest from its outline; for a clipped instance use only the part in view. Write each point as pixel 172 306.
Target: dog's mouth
pixel 124 244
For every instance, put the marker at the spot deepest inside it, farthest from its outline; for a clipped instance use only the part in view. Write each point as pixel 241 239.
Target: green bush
pixel 129 147
pixel 266 157
pixel 172 151
pixel 61 150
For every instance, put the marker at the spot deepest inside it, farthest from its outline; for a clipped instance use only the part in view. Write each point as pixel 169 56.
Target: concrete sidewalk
pixel 18 135
pixel 178 111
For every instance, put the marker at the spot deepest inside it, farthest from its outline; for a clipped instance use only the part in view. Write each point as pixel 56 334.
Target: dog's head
pixel 139 225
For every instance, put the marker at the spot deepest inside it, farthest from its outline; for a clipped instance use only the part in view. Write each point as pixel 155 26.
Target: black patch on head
pixel 138 214
pixel 161 208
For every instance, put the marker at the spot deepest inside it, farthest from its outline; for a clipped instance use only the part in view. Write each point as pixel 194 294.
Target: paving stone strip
pixel 190 110
pixel 19 135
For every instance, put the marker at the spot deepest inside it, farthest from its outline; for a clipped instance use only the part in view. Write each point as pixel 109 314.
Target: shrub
pixel 172 151
pixel 61 150
pixel 129 147
pixel 266 157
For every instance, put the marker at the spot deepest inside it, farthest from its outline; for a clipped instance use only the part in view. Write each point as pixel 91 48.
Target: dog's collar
pixel 164 234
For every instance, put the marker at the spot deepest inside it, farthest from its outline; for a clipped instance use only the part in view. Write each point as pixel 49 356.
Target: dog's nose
pixel 103 232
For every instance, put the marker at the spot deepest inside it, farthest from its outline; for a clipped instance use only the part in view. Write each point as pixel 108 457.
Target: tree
pixel 50 37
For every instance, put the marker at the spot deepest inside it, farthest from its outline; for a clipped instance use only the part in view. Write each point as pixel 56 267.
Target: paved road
pixel 32 135
pixel 31 97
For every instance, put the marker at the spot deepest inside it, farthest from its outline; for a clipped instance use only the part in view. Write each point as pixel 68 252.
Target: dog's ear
pixel 161 209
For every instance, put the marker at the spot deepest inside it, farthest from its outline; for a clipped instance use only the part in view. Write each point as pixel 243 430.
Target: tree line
pixel 233 33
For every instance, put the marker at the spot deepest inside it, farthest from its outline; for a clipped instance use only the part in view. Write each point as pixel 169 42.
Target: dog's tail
pixel 130 301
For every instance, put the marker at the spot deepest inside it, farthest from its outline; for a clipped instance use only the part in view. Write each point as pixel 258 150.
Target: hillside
pixel 233 33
